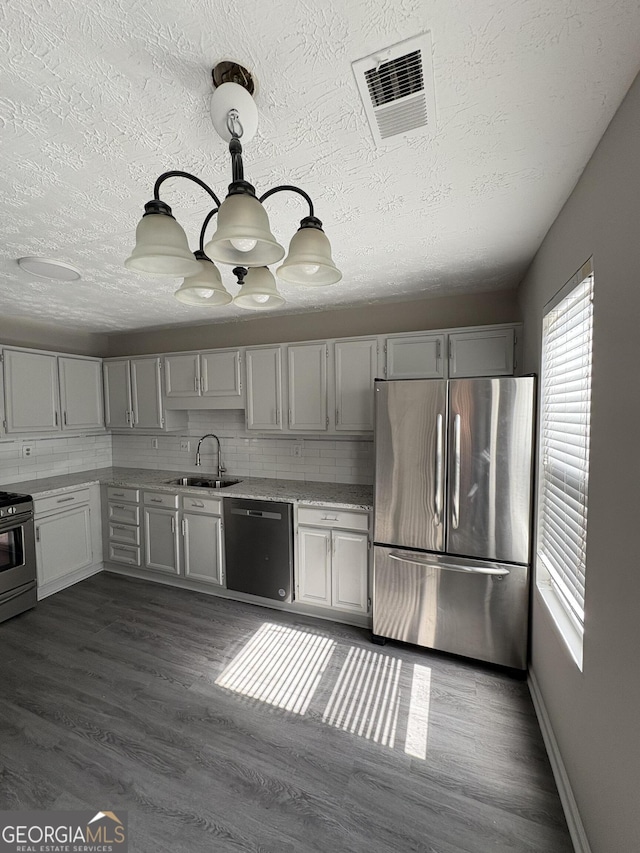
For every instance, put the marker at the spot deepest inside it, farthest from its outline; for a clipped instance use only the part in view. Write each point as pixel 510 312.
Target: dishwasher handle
pixel 256 513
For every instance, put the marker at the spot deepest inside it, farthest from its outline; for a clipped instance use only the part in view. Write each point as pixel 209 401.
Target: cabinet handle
pixel 119 527
pixel 155 500
pixel 56 417
pixel 173 524
pixel 65 418
pixel 195 383
pixel 183 527
pixel 334 543
pixel 117 506
pixel 329 517
pixel 65 500
pixel 118 494
pixel 197 503
pixel 328 544
pixel 290 417
pixel 202 384
pixel 37 534
pixel 277 416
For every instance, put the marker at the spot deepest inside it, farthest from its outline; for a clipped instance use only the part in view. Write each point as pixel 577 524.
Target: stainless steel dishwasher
pixel 258 543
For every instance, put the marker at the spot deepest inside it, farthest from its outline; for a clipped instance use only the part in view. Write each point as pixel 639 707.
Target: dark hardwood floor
pixel 221 727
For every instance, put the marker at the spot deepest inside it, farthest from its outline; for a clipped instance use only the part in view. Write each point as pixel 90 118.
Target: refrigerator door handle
pixel 438 477
pixel 404 557
pixel 455 515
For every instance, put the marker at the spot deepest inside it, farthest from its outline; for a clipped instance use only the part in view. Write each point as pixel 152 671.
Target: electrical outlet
pixel 296 451
pixel 27 450
pixel 185 445
pixel 154 443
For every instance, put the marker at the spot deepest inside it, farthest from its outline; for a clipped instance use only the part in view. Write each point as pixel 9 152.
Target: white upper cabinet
pixel 264 388
pixel 206 374
pixel 81 393
pixel 146 395
pixel 220 374
pixel 117 394
pixel 133 395
pixel 31 392
pixel 355 371
pixel 415 357
pixel 182 375
pixel 307 365
pixel 486 352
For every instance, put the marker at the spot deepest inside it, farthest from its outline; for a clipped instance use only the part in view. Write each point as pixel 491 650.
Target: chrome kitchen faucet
pixel 221 469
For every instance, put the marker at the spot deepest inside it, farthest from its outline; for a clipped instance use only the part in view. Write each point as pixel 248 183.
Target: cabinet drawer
pixel 333 518
pixel 129 495
pixel 125 533
pixel 62 501
pixel 124 554
pixel 210 505
pixel 124 514
pixel 161 499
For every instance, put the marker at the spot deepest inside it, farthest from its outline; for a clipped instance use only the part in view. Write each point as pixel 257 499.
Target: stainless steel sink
pixel 202 482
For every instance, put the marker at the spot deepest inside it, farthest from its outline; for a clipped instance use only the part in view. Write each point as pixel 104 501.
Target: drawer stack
pixel 122 538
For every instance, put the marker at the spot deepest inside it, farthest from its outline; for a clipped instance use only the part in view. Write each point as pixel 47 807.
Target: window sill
pixel 566 627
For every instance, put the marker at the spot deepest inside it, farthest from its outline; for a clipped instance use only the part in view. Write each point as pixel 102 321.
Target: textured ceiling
pixel 100 97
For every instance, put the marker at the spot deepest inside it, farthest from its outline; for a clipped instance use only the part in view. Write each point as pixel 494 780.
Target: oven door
pixel 17 552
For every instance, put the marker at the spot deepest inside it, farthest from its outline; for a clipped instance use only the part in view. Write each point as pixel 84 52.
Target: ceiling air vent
pixel 396 87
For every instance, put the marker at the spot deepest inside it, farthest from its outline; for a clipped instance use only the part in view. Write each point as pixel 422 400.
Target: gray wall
pixel 29 333
pixel 478 309
pixel 595 714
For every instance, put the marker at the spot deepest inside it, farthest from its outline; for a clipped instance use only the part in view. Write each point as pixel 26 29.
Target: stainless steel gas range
pixel 17 555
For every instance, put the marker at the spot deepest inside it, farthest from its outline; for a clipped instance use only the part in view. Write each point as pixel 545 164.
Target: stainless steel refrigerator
pixel 452 515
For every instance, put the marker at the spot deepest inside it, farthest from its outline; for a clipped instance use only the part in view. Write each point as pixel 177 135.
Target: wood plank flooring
pixel 221 726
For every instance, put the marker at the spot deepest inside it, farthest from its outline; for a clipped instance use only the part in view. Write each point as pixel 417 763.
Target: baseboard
pixel 58 584
pixel 569 805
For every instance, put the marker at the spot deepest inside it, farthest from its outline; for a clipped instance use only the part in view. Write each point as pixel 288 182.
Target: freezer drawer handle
pixel 455 520
pixel 451 567
pixel 438 477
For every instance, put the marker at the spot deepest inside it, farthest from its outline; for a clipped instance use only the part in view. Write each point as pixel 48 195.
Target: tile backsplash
pixel 52 455
pixel 244 453
pixel 335 459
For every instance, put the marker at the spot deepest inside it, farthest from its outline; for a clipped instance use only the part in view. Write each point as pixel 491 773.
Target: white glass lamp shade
pixel 161 248
pixel 243 236
pixel 205 288
pixel 309 260
pixel 259 291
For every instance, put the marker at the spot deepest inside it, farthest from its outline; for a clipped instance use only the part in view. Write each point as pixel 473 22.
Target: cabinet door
pixel 182 375
pixel 415 357
pixel 308 387
pixel 31 391
pixel 63 544
pixel 264 388
pixel 146 394
pixel 161 540
pixel 81 393
pixel 220 374
pixel 350 571
pixel 117 394
pixel 481 353
pixel 314 566
pixel 355 365
pixel 202 547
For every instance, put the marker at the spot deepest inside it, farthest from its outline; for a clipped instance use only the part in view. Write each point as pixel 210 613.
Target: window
pixel 565 409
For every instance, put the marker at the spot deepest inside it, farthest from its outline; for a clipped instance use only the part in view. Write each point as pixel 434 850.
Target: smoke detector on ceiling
pixel 397 89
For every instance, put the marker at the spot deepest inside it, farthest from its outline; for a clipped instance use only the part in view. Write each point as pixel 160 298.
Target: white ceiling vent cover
pixel 397 90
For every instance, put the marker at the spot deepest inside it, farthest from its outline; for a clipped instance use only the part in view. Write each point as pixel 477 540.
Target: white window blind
pixel 565 412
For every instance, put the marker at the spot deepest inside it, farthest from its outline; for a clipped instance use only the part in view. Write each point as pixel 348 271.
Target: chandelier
pixel 243 237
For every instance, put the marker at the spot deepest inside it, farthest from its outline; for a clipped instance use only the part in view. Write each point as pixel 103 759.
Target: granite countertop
pixel 340 495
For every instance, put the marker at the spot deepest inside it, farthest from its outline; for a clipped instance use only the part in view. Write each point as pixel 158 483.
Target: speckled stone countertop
pixel 341 495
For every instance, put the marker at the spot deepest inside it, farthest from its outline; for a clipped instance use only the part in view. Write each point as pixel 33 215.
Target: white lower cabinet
pixel 332 568
pixel 65 536
pixel 202 547
pixel 161 552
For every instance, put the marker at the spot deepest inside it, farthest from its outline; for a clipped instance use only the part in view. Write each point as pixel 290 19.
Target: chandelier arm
pixel 207 220
pixel 163 177
pixel 289 188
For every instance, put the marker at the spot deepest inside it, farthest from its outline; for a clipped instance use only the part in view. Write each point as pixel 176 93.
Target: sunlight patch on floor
pixel 280 666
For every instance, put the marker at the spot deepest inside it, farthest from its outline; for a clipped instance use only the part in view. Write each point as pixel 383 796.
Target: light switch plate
pixel 185 445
